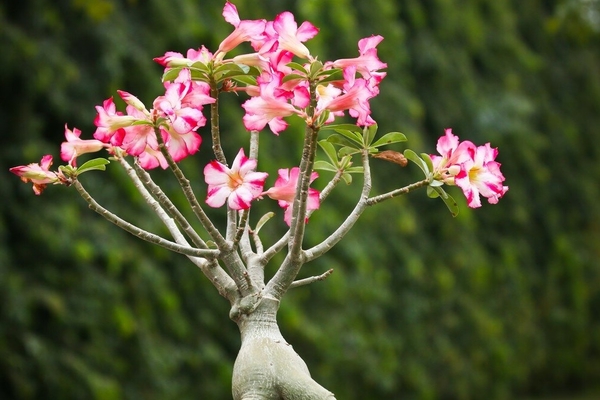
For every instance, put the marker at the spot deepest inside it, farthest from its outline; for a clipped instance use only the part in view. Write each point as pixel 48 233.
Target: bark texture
pixel 267 367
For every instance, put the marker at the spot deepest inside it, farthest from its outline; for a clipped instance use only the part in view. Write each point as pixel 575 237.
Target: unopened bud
pixel 392 156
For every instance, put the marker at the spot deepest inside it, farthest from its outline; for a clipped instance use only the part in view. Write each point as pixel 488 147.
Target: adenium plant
pixel 282 79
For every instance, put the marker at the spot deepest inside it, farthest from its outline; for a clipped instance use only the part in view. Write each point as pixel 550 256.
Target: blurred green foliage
pixel 498 303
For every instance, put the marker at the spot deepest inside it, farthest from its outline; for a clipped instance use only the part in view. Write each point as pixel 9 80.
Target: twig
pixel 312 279
pixel 397 192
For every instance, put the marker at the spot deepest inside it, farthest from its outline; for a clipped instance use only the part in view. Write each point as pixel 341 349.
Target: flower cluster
pixel 176 115
pixel 278 87
pixel 283 88
pixel 472 168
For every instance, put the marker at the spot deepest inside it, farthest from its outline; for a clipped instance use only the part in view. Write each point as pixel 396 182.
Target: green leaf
pixel 263 220
pixel 432 193
pixel 315 68
pixel 199 66
pixel 355 170
pixel 334 75
pixel 347 178
pixel 297 67
pixel 94 164
pixel 171 74
pixel 325 166
pixel 448 200
pixel 329 149
pixel 347 151
pixel 389 138
pixel 347 127
pixel 412 156
pixel 226 71
pixel 347 141
pixel 425 157
pixel 369 133
pixel 245 79
pixel 292 77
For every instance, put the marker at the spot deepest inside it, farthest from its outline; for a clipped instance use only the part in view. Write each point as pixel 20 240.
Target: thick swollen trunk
pixel 268 368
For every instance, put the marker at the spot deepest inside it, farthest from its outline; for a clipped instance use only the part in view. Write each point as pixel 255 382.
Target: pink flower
pixel 268 108
pixel 284 192
pixel 151 158
pixel 108 121
pixel 244 31
pixel 74 146
pixel 182 145
pixel 173 59
pixel 481 175
pixel 354 98
pixel 453 154
pixel 183 101
pixel 134 138
pixel 238 185
pixel 471 168
pixel 368 62
pixel 291 36
pixel 38 174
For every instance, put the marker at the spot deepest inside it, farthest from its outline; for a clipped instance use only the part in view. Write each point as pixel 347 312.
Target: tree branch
pixel 290 267
pixel 218 277
pixel 350 220
pixel 164 200
pixel 140 233
pixel 215 235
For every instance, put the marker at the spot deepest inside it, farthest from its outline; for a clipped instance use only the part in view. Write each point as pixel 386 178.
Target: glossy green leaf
pixel 94 164
pixel 324 166
pixel 347 151
pixel 344 140
pixel 315 68
pixel 297 67
pixel 291 77
pixel 448 200
pixel 369 133
pixel 329 150
pixel 425 157
pixel 171 74
pixel 389 138
pixel 412 156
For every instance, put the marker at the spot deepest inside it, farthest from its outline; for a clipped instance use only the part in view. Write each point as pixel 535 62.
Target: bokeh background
pixel 502 302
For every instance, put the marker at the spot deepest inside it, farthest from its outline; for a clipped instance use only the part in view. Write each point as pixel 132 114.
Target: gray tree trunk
pixel 267 367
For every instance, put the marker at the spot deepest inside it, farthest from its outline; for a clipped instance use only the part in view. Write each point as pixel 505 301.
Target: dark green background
pixel 500 303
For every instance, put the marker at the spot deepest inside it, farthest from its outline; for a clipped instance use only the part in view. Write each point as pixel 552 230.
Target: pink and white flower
pixel 284 192
pixel 368 63
pixel 238 185
pixel 481 175
pixel 453 154
pixel 268 108
pixel 38 174
pixel 74 146
pixel 291 37
pixel 245 30
pixel 354 98
pixel 472 168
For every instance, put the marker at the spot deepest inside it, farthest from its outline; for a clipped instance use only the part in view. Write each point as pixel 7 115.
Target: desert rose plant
pixel 281 80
